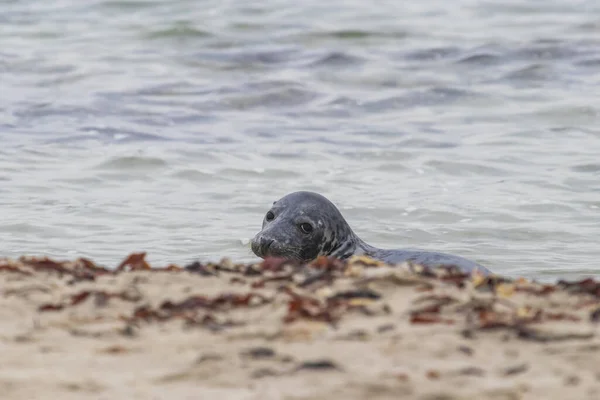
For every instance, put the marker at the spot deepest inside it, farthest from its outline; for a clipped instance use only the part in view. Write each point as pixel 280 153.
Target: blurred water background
pixel 471 127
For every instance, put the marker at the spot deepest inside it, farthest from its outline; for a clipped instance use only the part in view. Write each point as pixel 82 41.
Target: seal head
pixel 302 226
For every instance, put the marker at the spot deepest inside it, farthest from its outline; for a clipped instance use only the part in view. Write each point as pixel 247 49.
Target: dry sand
pixel 356 330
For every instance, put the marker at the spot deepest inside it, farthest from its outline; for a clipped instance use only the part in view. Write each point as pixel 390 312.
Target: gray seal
pixel 304 225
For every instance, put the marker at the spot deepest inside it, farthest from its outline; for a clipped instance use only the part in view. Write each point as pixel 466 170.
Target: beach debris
pixel 188 309
pixel 385 328
pixel 201 269
pixel 6 266
pixel 263 373
pixel 137 262
pixel 595 315
pixel 516 369
pixel 433 374
pixel 318 365
pixel 327 290
pixel 80 269
pixel 471 371
pixel 277 317
pixel 466 350
pixel 100 296
pixel 259 353
pixel 115 349
pixel 306 307
pixel 587 286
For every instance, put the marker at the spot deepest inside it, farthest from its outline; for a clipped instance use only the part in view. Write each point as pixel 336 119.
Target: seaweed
pixel 425 318
pixel 329 310
pixel 137 262
pixel 81 269
pixel 482 303
pixel 259 353
pixel 188 308
pixel 101 298
pixel 275 264
pixel 10 268
pixel 319 365
pixel 275 278
pixel 201 269
pixel 588 286
pixel 529 334
pixel 305 307
pixel 355 294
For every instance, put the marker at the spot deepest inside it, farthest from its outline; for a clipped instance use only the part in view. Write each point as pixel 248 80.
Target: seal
pixel 305 225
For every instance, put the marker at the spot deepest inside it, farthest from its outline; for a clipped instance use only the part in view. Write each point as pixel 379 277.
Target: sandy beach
pixel 274 330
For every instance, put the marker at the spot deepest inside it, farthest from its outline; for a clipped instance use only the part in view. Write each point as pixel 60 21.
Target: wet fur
pixel 331 236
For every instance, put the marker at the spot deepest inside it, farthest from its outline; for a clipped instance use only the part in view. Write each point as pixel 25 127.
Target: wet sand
pixel 330 330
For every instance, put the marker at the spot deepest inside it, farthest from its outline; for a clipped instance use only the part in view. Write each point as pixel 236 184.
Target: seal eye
pixel 306 227
pixel 270 216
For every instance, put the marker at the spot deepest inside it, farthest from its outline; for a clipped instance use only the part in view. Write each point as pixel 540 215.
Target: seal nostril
pixel 265 244
pixel 269 243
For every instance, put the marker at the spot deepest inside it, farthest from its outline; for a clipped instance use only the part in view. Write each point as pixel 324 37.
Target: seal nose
pixel 261 246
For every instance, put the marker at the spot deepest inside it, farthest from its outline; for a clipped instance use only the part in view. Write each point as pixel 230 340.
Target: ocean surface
pixel 469 127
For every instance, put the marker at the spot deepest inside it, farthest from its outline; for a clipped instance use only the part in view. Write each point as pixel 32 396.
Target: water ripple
pixel 467 127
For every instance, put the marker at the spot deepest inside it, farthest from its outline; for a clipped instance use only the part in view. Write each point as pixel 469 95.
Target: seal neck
pixel 363 248
pixel 353 246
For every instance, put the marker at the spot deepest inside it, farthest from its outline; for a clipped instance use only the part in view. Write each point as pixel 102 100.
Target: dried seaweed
pixel 137 262
pixel 537 336
pixel 259 353
pixel 543 291
pixel 220 302
pixel 466 350
pixel 51 307
pixel 490 306
pixel 81 269
pixel 355 294
pixel 277 264
pixel 101 298
pixel 471 371
pixel 427 318
pixel 201 269
pixel 321 276
pixel 428 314
pixel 561 317
pixel 515 370
pixel 589 286
pixel 319 365
pixel 210 322
pixel 6 267
pixel 595 315
pixel 134 262
pixel 275 278
pixel 305 307
pixel 188 308
pixel 433 374
pixel 329 263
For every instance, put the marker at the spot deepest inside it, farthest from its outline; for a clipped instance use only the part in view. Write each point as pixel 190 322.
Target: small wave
pixel 531 73
pixel 280 98
pixel 593 168
pixel 481 59
pixel 131 163
pixel 463 168
pixel 194 175
pixel 178 31
pixel 337 59
pixel 432 54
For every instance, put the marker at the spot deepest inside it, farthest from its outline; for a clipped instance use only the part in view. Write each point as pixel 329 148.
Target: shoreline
pixel 277 330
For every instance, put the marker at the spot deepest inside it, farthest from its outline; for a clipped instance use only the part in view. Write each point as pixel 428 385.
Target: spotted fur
pixel 331 236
